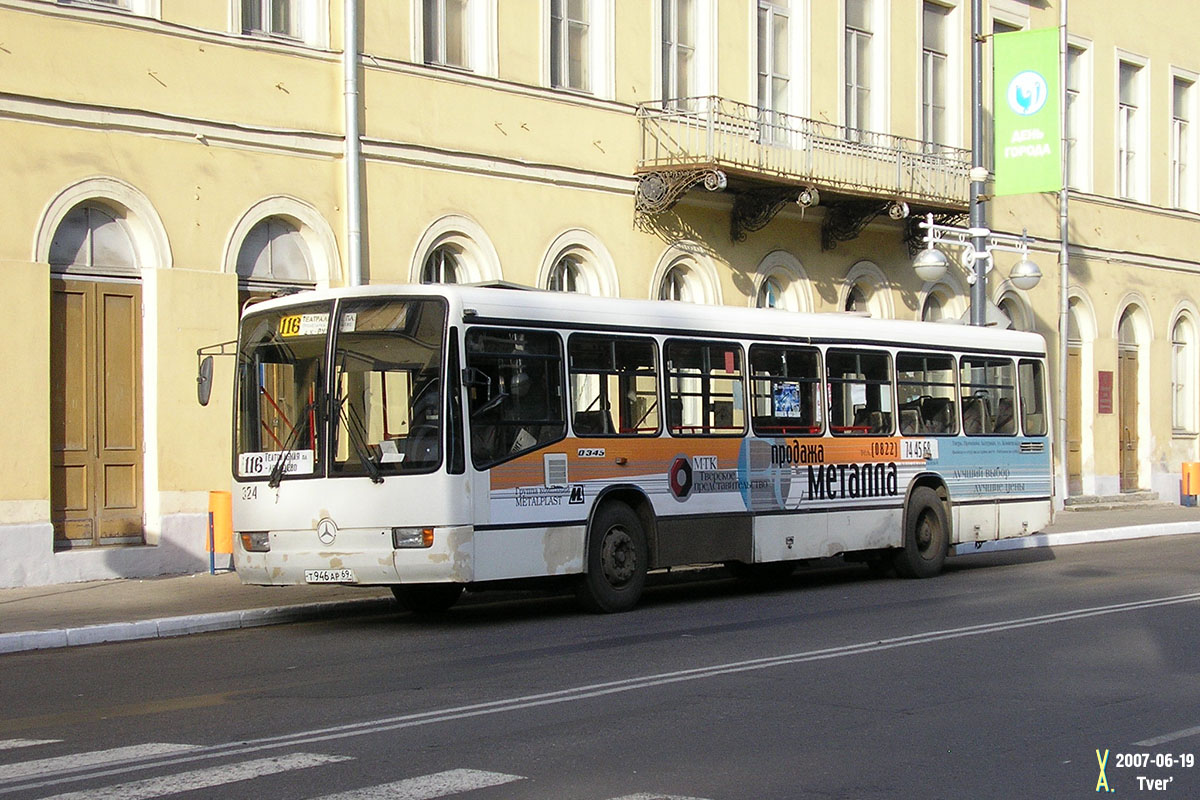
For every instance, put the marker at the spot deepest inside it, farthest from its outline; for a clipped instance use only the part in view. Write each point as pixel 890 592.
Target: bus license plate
pixel 329 576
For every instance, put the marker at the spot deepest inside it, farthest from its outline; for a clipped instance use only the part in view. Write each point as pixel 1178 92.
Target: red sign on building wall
pixel 1104 392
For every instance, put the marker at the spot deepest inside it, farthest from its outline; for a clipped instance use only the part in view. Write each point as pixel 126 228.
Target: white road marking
pixel 79 761
pixel 588 691
pixel 13 744
pixel 1169 737
pixel 644 796
pixel 202 778
pixel 427 787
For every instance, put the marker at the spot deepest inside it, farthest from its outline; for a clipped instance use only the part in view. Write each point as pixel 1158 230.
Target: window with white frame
pixel 576 271
pixel 1183 192
pixel 770 293
pixel 774 74
pixel 577 42
pixel 93 238
pixel 1079 129
pixel 858 299
pixel 458 33
pixel 271 17
pixel 678 49
pixel 934 74
pixel 125 4
pixel 274 251
pixel 680 284
pixel 780 282
pixel 1131 135
pixel 570 55
pixel 303 20
pixel 147 8
pixel 1183 375
pixel 860 36
pixel 443 265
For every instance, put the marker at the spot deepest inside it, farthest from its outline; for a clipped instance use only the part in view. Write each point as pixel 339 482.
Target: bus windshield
pixel 387 387
pixel 378 411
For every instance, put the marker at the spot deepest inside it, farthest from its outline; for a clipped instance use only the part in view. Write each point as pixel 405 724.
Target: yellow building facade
pixel 165 161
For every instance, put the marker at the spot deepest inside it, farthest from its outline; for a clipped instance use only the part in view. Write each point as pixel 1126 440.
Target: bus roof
pixel 514 305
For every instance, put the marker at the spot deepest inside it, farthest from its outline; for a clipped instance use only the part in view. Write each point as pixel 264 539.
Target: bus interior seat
pixel 1004 422
pixel 592 423
pixel 975 415
pixel 937 413
pixel 910 421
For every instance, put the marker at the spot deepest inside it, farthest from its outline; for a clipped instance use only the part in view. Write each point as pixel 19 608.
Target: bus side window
pixel 1033 397
pixel 989 395
pixel 515 399
pixel 926 388
pixel 785 390
pixel 614 386
pixel 860 392
pixel 704 389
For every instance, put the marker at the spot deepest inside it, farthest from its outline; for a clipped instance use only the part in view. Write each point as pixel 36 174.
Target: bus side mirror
pixel 204 374
pixel 204 380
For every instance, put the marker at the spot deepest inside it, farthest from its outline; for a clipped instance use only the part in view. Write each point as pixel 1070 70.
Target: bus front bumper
pixel 365 556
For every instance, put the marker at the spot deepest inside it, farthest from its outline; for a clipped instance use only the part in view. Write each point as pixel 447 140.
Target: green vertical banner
pixel 1028 143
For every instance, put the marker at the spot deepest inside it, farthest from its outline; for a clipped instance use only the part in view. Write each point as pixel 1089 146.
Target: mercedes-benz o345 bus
pixel 436 438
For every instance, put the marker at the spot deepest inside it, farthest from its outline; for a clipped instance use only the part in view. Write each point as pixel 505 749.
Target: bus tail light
pixel 404 538
pixel 256 542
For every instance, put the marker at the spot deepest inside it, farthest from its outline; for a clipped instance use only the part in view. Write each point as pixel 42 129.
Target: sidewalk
pixel 121 610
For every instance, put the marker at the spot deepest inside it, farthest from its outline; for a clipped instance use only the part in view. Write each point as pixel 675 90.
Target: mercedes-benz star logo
pixel 326 530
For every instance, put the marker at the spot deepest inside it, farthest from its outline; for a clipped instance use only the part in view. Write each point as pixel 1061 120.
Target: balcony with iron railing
pixel 722 142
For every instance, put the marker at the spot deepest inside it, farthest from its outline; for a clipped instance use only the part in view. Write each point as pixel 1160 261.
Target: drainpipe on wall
pixel 1064 264
pixel 353 152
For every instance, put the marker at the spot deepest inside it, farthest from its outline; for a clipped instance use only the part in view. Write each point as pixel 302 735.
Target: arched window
pixel 780 282
pixel 770 293
pixel 1016 311
pixel 865 291
pixel 93 238
pixel 858 299
pixel 274 251
pixel 679 284
pixel 273 257
pixel 933 310
pixel 1183 375
pixel 444 265
pixel 686 273
pixel 455 249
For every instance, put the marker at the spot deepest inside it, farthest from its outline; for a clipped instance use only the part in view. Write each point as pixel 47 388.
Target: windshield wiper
pixel 289 444
pixel 358 439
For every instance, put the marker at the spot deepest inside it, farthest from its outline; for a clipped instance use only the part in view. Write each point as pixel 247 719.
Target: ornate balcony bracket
pixel 753 209
pixel 659 190
pixel 846 219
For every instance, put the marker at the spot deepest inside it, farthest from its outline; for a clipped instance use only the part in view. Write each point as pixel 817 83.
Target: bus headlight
pixel 403 538
pixel 256 542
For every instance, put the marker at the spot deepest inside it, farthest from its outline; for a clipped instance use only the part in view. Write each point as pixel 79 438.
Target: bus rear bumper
pixel 363 557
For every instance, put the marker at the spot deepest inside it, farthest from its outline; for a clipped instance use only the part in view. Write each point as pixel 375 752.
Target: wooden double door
pixel 96 457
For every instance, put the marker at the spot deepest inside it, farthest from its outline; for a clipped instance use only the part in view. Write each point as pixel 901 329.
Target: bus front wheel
pixel 427 598
pixel 616 561
pixel 926 536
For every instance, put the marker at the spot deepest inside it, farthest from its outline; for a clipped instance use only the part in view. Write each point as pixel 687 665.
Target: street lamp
pixel 977 244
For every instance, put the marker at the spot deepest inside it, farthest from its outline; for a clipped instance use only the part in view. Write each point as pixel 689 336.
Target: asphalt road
pixel 1012 675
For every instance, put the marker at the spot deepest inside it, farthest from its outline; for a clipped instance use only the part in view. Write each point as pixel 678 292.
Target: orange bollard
pixel 1189 486
pixel 220 522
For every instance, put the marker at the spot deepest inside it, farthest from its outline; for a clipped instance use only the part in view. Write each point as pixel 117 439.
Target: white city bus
pixel 436 438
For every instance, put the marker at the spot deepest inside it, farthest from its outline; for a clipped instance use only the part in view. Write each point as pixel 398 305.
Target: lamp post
pixel 977 243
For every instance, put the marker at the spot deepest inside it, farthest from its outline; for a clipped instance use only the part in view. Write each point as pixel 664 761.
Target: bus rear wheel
pixel 427 598
pixel 616 561
pixel 926 536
